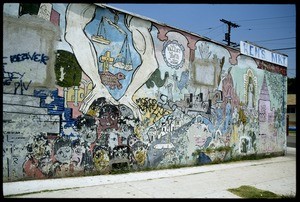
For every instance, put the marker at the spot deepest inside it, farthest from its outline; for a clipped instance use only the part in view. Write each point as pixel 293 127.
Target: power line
pixel 266 18
pixel 212 29
pixel 276 39
pixel 284 48
pixel 268 28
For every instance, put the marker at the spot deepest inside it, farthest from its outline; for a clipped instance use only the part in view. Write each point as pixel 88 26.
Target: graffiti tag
pixel 16 78
pixel 41 58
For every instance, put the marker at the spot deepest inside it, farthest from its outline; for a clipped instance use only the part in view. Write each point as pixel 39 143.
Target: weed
pixel 252 192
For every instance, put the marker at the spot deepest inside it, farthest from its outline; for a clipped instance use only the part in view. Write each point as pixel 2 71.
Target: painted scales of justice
pixel 123 60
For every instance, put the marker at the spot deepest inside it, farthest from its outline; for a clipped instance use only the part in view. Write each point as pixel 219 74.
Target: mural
pixel 131 94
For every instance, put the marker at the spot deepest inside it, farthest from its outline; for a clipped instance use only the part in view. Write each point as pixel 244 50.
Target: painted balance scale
pixel 123 60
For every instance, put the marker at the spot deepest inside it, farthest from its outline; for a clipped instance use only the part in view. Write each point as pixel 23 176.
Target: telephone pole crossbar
pixel 227 35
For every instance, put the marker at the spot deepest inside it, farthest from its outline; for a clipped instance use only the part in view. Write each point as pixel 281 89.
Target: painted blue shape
pixel 203 158
pixel 117 34
pixel 56 107
pixel 183 80
pixel 208 140
pixel 69 121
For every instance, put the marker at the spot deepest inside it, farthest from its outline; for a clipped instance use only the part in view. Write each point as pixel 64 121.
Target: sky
pixel 271 26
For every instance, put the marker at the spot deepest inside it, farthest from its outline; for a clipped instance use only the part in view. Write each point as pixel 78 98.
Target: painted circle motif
pixel 173 54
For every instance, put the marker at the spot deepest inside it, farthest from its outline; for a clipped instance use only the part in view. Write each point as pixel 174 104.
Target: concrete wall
pixel 143 95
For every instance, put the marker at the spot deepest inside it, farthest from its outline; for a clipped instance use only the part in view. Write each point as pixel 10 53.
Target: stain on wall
pixel 115 91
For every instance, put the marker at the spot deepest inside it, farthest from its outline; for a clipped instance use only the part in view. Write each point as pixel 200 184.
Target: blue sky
pixel 272 26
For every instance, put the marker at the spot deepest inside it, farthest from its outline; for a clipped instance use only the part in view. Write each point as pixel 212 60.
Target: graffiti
pixel 22 86
pixel 16 79
pixel 41 58
pixel 8 77
pixel 142 96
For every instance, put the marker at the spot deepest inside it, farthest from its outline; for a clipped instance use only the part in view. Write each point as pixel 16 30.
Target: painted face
pixel 125 111
pixel 108 117
pixel 139 153
pixel 101 160
pixel 113 140
pixel 120 152
pixel 87 127
pixel 132 140
pixel 140 156
pixel 77 155
pixel 39 148
pixel 63 154
pixel 108 120
pixel 89 134
pixel 45 164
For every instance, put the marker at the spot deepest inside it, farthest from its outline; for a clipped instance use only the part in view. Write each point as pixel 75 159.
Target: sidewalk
pixel 276 174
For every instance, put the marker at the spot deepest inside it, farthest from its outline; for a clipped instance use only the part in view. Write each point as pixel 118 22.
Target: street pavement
pixel 276 174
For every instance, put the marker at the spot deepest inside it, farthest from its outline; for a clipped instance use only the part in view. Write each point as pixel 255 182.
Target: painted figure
pixel 77 17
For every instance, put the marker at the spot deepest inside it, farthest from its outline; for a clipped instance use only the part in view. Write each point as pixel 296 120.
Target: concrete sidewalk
pixel 276 174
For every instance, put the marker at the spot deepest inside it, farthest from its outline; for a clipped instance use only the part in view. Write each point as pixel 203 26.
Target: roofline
pixel 164 24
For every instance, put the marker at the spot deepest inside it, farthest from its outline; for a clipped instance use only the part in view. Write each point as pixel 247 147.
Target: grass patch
pixel 252 192
pixel 292 133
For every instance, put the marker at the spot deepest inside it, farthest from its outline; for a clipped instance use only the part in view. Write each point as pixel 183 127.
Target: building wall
pixel 78 102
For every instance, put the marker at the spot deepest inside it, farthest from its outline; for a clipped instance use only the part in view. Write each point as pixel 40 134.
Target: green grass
pixel 292 133
pixel 252 192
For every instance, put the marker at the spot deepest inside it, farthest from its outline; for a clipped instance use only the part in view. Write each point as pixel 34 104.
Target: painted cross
pixel 106 59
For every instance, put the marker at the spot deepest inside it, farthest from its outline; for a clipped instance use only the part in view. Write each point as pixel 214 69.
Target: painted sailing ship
pixel 101 34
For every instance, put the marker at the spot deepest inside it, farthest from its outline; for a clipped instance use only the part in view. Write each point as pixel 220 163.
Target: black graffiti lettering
pixel 25 56
pixel 44 58
pixel 17 85
pixel 15 160
pixel 41 58
pixel 22 85
pixel 8 77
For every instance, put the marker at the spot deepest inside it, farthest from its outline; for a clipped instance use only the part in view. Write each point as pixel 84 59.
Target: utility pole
pixel 227 35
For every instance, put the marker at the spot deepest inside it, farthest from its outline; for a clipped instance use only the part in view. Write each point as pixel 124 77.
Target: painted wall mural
pixel 131 94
